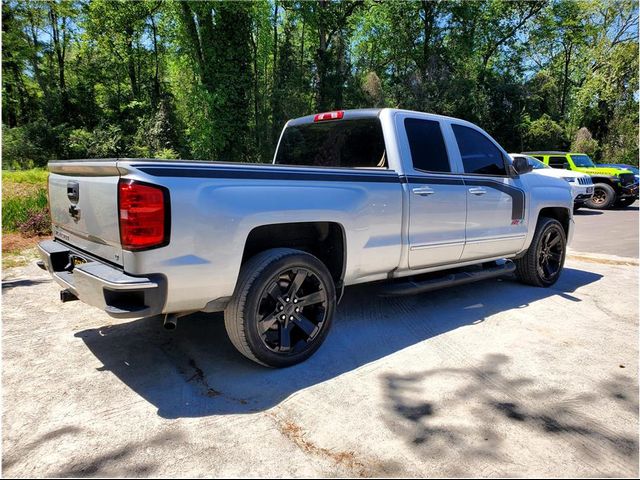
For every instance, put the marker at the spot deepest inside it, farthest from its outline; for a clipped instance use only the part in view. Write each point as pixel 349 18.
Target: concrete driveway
pixel 491 379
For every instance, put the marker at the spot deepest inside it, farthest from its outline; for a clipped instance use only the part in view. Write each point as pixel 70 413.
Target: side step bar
pixel 459 278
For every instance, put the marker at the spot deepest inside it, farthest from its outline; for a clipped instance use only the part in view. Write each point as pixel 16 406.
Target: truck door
pixel 436 195
pixel 495 200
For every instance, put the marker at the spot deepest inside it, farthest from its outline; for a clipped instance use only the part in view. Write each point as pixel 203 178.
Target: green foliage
pixel 585 143
pixel 217 80
pixel 36 176
pixel 544 134
pixel 19 210
pixel 24 202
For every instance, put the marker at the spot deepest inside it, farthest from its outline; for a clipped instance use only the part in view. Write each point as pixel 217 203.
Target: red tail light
pixel 320 117
pixel 144 215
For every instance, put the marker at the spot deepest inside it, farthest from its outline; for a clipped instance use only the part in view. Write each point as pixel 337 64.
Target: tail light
pixel 321 117
pixel 144 215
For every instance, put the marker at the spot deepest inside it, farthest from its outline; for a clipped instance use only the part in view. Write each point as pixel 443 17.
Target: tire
pixel 576 208
pixel 253 317
pixel 604 196
pixel 625 202
pixel 529 268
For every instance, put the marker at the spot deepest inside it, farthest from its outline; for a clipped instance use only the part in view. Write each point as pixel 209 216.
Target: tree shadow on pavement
pixel 194 371
pixel 491 413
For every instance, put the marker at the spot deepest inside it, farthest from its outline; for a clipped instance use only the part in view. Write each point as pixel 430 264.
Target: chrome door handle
pixel 477 190
pixel 423 191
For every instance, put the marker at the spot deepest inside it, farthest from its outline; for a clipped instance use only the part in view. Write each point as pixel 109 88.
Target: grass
pixel 24 194
pixel 34 176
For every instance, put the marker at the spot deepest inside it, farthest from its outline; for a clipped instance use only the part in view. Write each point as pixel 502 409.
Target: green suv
pixel 612 186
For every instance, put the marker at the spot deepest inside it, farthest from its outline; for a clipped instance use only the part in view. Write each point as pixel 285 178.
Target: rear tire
pixel 542 264
pixel 604 196
pixel 282 307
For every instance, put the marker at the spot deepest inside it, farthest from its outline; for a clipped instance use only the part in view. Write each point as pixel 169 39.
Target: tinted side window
pixel 479 154
pixel 557 162
pixel 344 143
pixel 428 151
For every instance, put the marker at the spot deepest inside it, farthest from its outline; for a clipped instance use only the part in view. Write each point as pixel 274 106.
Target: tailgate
pixel 83 197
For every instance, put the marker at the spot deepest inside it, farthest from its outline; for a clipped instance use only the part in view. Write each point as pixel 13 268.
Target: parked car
pixel 612 186
pixel 352 197
pixel 581 184
pixel 631 168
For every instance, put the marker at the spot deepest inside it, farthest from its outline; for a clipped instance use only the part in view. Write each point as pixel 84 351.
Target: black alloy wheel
pixel 550 255
pixel 282 308
pixel 292 311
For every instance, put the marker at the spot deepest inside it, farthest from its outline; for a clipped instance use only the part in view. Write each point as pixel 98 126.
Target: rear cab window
pixel 480 156
pixel 356 143
pixel 427 146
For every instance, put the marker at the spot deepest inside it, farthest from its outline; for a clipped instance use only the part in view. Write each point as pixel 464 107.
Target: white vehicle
pixel 581 183
pixel 352 197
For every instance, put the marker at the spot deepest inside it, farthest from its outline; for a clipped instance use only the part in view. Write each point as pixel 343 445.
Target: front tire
pixel 282 307
pixel 542 264
pixel 604 196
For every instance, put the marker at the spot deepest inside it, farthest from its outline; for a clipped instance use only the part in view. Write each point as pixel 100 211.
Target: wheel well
pixel 558 213
pixel 606 180
pixel 324 240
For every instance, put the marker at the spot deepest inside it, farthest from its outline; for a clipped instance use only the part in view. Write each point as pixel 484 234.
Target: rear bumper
pixel 103 286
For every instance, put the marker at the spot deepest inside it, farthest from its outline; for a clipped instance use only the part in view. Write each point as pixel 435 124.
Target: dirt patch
pixel 16 243
pixel 18 250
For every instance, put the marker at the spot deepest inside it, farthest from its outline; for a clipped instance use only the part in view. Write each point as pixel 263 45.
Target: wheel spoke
pixel 274 291
pixel 554 241
pixel 300 277
pixel 306 325
pixel 285 338
pixel 267 322
pixel 546 269
pixel 555 256
pixel 312 299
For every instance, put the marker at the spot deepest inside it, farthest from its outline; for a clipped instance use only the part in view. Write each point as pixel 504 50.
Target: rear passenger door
pixel 436 195
pixel 495 200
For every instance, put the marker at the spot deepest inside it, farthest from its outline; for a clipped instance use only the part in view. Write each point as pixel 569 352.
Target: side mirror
pixel 522 165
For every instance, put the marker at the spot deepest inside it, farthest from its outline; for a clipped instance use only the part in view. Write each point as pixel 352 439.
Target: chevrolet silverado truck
pixel 412 200
pixel 613 187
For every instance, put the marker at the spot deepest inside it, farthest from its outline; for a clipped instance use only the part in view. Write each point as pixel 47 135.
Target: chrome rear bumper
pixel 102 285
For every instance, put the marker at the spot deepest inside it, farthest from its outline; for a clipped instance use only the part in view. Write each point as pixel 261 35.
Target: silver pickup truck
pixel 416 200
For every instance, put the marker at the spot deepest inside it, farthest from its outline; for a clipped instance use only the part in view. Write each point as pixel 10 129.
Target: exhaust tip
pixel 170 322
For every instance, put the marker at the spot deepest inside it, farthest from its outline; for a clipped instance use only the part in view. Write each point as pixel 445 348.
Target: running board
pixel 451 280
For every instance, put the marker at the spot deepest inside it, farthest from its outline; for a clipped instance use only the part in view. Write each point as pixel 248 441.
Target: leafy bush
pixel 585 143
pixel 544 134
pixel 24 202
pixel 105 141
pixel 19 149
pixel 38 223
pixel 33 144
pixel 19 210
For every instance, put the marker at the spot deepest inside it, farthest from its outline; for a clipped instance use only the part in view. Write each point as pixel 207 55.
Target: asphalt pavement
pixel 612 232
